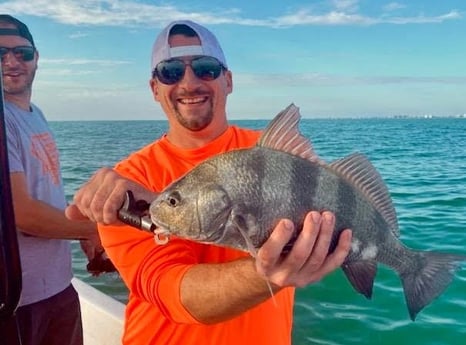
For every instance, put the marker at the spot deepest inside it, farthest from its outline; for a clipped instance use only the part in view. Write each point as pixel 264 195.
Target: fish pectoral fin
pixel 243 224
pixel 246 225
pixel 361 275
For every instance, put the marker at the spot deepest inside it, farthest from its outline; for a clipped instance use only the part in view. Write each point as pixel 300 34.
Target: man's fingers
pixel 305 243
pixel 72 212
pixel 309 259
pixel 270 252
pixel 338 256
pixel 324 238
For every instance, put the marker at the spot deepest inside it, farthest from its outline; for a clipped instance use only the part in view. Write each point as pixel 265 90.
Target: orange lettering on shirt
pixel 43 147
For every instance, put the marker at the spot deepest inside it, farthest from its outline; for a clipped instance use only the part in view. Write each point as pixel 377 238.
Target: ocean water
pixel 423 162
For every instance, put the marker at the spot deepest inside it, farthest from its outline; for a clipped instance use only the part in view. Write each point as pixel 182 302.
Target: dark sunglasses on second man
pixel 172 71
pixel 25 53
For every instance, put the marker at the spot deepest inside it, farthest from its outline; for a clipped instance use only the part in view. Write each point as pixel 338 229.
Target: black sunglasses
pixel 172 71
pixel 25 53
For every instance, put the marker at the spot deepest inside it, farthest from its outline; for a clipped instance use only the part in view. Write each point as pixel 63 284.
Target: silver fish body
pixel 236 198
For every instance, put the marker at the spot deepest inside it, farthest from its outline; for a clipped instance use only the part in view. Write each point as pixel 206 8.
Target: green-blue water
pixel 423 162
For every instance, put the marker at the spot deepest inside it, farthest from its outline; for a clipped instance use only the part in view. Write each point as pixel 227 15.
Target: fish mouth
pixel 163 229
pixel 159 224
pixel 161 232
pixel 195 229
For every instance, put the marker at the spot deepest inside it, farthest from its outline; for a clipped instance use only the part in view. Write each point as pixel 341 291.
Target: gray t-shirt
pixel 45 263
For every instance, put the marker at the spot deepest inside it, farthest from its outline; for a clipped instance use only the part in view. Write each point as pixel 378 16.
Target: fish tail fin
pixel 427 280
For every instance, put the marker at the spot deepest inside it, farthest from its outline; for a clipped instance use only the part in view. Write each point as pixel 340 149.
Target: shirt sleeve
pixel 153 272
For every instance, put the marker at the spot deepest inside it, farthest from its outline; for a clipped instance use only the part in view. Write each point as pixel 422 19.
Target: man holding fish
pixel 192 292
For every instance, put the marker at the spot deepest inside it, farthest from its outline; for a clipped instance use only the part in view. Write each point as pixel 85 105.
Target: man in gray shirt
pixel 48 312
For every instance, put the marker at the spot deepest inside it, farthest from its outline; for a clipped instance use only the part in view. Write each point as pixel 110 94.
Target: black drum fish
pixel 236 198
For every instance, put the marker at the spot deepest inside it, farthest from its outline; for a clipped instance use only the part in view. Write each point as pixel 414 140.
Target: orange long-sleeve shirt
pixel 153 273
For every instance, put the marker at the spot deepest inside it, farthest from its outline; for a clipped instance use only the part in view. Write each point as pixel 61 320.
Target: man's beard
pixel 195 124
pixel 19 89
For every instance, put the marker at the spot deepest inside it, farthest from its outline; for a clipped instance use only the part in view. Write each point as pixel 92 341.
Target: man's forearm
pixel 218 292
pixel 40 219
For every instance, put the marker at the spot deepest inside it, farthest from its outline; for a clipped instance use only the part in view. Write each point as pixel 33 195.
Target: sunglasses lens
pixel 24 53
pixel 170 72
pixel 206 68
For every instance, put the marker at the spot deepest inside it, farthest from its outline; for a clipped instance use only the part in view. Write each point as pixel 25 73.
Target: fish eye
pixel 174 199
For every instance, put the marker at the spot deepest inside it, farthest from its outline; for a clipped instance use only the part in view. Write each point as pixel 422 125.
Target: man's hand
pixel 102 196
pixel 92 247
pixel 308 261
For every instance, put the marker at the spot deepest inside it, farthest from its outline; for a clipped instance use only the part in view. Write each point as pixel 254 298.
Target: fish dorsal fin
pixel 360 172
pixel 283 134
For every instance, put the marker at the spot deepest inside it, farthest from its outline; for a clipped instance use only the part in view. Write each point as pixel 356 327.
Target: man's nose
pixel 9 58
pixel 189 78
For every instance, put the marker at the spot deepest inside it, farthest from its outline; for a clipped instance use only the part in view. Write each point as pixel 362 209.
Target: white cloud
pixel 332 18
pixel 64 72
pixel 393 6
pixel 136 14
pixel 93 62
pixel 78 35
pixel 320 79
pixel 346 5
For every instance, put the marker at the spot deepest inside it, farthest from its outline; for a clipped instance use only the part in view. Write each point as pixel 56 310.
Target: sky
pixel 332 58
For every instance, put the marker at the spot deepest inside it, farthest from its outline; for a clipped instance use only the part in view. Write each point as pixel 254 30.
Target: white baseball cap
pixel 161 50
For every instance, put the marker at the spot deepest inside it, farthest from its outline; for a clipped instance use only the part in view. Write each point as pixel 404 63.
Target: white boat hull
pixel 102 315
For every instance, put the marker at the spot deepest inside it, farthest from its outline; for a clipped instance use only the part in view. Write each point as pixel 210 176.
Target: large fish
pixel 236 198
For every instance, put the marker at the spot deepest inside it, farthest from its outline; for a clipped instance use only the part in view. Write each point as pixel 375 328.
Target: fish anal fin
pixel 283 134
pixel 359 171
pixel 361 275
